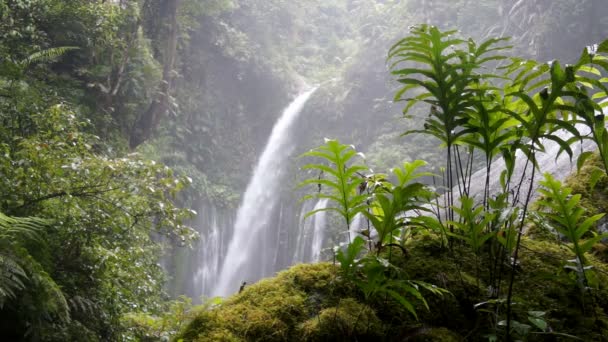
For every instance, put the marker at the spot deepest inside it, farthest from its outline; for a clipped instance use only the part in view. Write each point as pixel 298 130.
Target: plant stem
pixel 517 244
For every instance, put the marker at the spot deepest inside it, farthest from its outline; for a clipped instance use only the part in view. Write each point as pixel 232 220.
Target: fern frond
pixel 13 272
pixel 20 271
pixel 14 229
pixel 46 56
pixel 54 304
pixel 81 305
pixel 12 277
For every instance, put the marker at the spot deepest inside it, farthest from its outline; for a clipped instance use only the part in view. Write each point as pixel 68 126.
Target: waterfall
pixel 559 167
pixel 311 232
pixel 356 227
pixel 214 228
pixel 252 248
pixel 319 231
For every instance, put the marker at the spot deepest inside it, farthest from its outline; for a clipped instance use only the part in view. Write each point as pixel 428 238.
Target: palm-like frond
pixel 12 271
pixel 46 56
pixel 567 217
pixel 19 228
pixel 20 271
pixel 12 277
pixel 447 69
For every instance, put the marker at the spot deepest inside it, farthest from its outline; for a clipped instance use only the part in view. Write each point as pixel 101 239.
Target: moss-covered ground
pixel 311 302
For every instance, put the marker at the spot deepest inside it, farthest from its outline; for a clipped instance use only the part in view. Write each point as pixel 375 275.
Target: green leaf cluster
pixel 98 247
pixel 384 204
pixel 563 212
pixel 342 181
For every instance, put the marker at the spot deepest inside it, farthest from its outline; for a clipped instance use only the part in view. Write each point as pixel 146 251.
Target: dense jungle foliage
pixel 119 117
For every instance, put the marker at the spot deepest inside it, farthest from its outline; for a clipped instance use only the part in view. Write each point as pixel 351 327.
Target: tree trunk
pixel 150 119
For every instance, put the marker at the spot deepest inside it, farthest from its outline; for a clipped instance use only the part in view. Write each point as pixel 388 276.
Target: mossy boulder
pixel 293 305
pixel 591 182
pixel 311 302
pixel 594 198
pixel 544 283
pixel 349 320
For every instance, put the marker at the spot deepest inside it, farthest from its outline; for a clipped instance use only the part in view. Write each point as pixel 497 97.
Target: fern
pixel 390 203
pixel 466 109
pixel 448 72
pixel 567 216
pixel 20 271
pixel 384 205
pixel 46 56
pixel 342 181
pixel 473 225
pixel 14 229
pixel 12 273
pixel 81 305
pixel 12 277
pixel 587 73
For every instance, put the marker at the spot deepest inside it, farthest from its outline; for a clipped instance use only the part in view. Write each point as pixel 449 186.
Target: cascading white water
pixel 249 256
pixel 319 231
pixel 215 226
pixel 559 167
pixel 355 227
pixel 311 232
pixel 303 232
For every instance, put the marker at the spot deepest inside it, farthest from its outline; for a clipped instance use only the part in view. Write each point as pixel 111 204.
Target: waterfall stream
pixel 560 167
pixel 355 227
pixel 215 228
pixel 311 232
pixel 252 250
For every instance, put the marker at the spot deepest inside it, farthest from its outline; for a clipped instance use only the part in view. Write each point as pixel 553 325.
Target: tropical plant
pixel 14 232
pixel 448 71
pixel 376 276
pixel 385 206
pixel 345 184
pixel 46 56
pixel 589 87
pixel 547 95
pixel 473 227
pixel 535 102
pixel 104 210
pixel 23 275
pixel 562 211
pixel 392 204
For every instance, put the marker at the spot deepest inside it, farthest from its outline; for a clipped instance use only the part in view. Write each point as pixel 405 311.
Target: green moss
pixel 594 200
pixel 221 335
pixel 215 332
pixel 311 277
pixel 428 262
pixel 199 326
pixel 544 284
pixel 310 302
pixel 270 310
pixel 348 321
pixel 272 299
